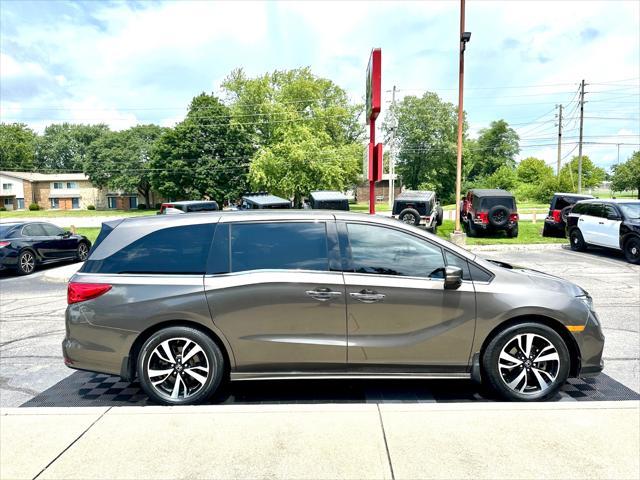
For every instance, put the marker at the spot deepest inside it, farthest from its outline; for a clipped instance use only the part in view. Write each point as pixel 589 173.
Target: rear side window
pixel 52 230
pixel 594 209
pixel 175 250
pixel 34 230
pixel 289 246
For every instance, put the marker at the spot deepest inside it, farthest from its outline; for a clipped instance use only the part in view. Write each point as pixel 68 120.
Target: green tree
pixel 305 127
pixel 626 176
pixel 120 160
pixel 592 175
pixel 63 147
pixel 205 156
pixel 497 146
pixel 17 146
pixel 427 139
pixel 533 170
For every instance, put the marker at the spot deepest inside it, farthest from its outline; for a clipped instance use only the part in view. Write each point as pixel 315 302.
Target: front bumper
pixel 591 344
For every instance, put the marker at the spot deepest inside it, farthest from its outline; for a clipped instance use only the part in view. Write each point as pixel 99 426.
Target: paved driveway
pixel 32 328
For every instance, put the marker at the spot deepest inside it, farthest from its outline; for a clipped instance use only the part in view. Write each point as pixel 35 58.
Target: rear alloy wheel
pixel 180 366
pixel 26 263
pixel 410 216
pixel 632 250
pixel 526 362
pixel 577 241
pixel 83 252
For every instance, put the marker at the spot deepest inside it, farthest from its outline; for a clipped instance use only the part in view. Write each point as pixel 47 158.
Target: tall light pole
pixel 464 38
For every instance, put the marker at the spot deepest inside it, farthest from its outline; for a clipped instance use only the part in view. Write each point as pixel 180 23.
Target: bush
pixel 2 209
pixel 158 205
pixel 142 206
pixel 34 206
pixel 91 207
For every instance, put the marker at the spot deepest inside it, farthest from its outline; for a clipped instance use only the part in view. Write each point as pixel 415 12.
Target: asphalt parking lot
pixel 32 327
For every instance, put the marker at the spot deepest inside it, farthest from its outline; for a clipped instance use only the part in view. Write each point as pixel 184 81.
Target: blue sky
pixel 124 63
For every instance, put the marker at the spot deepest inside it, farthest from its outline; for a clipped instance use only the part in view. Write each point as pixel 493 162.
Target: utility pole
pixel 559 138
pixel 392 156
pixel 580 141
pixel 464 38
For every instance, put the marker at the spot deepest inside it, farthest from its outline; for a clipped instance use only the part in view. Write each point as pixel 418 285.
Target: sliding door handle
pixel 368 296
pixel 322 294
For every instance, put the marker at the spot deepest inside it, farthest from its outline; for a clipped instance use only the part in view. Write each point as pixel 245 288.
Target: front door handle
pixel 601 223
pixel 368 296
pixel 581 219
pixel 322 294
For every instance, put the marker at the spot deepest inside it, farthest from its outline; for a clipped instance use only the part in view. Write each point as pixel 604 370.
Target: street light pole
pixel 464 38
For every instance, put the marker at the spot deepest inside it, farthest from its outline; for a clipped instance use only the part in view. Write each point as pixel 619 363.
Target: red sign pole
pixel 374 100
pixel 372 163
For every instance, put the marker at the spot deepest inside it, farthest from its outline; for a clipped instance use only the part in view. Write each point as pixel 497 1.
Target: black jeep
pixel 326 200
pixel 561 204
pixel 489 210
pixel 415 207
pixel 260 200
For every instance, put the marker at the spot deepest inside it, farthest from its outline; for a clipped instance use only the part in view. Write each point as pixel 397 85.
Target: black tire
pixel 632 250
pixel 512 232
pixel 209 355
pixel 439 215
pixel 471 228
pixel 499 216
pixel 26 263
pixel 410 216
pixel 577 240
pixel 545 231
pixel 82 252
pixel 497 376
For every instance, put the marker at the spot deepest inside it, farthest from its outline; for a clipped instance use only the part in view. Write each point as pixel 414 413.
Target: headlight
pixel 587 300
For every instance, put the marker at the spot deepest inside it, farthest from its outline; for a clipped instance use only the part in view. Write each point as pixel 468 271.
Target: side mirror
pixel 452 278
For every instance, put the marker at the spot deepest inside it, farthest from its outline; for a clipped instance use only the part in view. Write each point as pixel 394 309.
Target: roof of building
pixel 490 192
pixel 328 195
pixel 420 195
pixel 45 177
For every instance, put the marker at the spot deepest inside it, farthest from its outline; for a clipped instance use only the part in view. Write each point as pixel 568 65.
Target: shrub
pixel 158 205
pixel 34 206
pixel 3 209
pixel 91 207
pixel 142 206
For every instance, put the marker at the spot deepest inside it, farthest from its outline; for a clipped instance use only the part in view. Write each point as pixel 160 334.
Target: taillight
pixel 557 216
pixel 483 217
pixel 513 217
pixel 80 292
pixel 4 244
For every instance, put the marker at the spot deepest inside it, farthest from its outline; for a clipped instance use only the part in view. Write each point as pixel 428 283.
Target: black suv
pixel 261 200
pixel 327 200
pixel 606 223
pixel 489 210
pixel 561 204
pixel 415 207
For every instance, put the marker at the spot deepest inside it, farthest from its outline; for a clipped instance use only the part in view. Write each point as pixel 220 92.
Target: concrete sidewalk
pixel 398 441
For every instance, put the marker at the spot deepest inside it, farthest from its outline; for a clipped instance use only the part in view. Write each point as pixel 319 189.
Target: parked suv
pixel 327 200
pixel 416 207
pixel 606 223
pixel 185 302
pixel 489 210
pixel 263 200
pixel 555 225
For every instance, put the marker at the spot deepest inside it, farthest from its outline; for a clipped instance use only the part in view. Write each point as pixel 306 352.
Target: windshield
pixel 490 202
pixel 630 210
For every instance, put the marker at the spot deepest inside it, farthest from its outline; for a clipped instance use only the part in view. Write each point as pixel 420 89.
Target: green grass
pixel 528 232
pixel 90 232
pixel 523 207
pixel 608 194
pixel 364 207
pixel 74 213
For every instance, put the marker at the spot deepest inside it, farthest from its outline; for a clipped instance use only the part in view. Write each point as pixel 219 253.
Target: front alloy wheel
pixel 26 263
pixel 632 250
pixel 83 252
pixel 179 366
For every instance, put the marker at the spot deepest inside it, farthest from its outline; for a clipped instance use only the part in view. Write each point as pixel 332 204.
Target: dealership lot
pixel 32 316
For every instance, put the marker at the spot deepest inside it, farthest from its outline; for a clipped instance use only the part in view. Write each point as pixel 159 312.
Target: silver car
pixel 185 302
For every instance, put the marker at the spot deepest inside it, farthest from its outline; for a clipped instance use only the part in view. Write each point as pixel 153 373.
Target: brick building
pixel 382 189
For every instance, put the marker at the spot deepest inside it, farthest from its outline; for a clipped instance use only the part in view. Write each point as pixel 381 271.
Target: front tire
pixel 577 241
pixel 26 263
pixel 526 362
pixel 632 250
pixel 180 366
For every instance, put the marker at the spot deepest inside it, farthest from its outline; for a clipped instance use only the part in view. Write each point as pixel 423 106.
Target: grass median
pixel 74 213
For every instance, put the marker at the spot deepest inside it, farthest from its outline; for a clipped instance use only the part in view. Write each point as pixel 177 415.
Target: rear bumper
pixel 553 229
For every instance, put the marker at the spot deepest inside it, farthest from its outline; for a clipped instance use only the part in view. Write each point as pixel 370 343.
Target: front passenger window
pixel 385 251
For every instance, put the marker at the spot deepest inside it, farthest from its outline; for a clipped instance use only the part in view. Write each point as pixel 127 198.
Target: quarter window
pixel 175 250
pixel 454 260
pixel 281 246
pixel 385 251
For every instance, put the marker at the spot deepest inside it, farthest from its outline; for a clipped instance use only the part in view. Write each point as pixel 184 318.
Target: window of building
pixel 111 202
pixel 7 187
pixel 385 251
pixel 175 250
pixel 58 185
pixel 8 202
pixel 20 203
pixel 75 203
pixel 72 184
pixel 133 202
pixel 282 246
pixel 55 202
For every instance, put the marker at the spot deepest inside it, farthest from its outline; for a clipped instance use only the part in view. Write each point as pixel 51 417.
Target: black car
pixel 25 245
pixel 555 225
pixel 606 223
pixel 258 201
pixel 415 207
pixel 327 200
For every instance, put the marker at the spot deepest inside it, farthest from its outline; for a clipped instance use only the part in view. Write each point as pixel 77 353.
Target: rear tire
pixel 439 215
pixel 26 263
pixel 471 229
pixel 512 232
pixel 169 379
pixel 511 365
pixel 82 252
pixel 632 250
pixel 577 241
pixel 410 216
